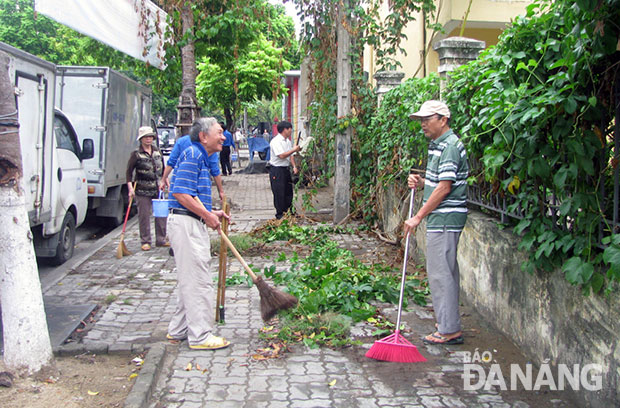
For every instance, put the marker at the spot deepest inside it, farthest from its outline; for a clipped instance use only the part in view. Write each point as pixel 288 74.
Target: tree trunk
pixel 230 119
pixel 27 347
pixel 188 110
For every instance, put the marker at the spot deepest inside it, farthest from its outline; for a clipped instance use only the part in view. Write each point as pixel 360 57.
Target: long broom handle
pixel 402 281
pixel 234 250
pixel 129 207
pixel 238 256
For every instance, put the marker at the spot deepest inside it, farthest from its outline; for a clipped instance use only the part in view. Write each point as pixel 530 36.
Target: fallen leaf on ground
pixel 93 392
pixel 188 367
pixel 332 383
pixel 134 375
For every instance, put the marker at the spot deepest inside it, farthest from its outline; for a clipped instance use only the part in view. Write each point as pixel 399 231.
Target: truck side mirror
pixel 88 149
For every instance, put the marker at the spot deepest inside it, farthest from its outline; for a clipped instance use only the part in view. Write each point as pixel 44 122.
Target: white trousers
pixel 195 312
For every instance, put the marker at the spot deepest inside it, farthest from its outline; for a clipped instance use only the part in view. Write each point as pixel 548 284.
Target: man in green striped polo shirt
pixel 445 209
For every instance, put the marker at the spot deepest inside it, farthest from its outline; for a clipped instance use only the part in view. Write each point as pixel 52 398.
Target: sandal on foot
pixel 437 338
pixel 212 343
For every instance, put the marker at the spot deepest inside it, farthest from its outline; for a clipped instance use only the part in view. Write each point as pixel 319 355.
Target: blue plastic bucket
pixel 160 206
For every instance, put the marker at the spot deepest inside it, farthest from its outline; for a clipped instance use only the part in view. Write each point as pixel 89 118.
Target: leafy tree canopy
pixel 254 76
pixel 223 31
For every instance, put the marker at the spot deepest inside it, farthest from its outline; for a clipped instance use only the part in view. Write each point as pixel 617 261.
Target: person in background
pixel 147 163
pixel 445 209
pixel 266 135
pixel 191 216
pixel 281 157
pixel 225 153
pixel 213 163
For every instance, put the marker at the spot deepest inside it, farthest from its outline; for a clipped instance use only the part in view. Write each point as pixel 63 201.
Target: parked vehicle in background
pixel 109 108
pixel 167 135
pixel 54 179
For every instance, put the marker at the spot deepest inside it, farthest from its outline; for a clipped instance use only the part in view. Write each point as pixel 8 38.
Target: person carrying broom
pixel 188 225
pixel 445 197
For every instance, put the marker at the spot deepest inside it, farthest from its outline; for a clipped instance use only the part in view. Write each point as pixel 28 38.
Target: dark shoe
pixel 165 244
pixel 436 338
pixel 170 252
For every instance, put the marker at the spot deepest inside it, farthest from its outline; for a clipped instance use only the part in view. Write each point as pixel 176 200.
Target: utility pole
pixel 342 185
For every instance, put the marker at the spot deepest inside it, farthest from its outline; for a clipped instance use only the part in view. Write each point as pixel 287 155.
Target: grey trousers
pixel 145 209
pixel 443 279
pixel 195 312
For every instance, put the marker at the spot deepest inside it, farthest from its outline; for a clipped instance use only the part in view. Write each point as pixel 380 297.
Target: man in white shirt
pixel 281 156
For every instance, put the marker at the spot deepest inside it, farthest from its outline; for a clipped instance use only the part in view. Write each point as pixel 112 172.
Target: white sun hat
pixel 430 108
pixel 145 131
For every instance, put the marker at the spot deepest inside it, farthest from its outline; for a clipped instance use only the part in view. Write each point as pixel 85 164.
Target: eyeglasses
pixel 428 118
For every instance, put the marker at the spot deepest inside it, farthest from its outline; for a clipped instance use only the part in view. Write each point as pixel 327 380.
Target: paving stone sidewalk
pixel 137 298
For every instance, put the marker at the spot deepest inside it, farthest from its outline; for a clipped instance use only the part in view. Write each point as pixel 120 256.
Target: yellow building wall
pixel 485 22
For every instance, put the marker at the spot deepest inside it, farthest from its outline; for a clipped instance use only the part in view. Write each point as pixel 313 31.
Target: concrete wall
pixel 544 315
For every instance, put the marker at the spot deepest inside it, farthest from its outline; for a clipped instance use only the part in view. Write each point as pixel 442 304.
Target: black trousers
pixel 225 160
pixel 282 189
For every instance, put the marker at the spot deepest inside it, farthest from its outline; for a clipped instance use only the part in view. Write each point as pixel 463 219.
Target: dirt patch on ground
pixel 86 380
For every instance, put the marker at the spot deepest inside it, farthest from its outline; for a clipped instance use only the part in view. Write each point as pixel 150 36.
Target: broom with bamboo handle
pixel 271 300
pixel 122 248
pixel 220 315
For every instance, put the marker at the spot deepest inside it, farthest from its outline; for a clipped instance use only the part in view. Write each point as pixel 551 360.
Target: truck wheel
pixel 119 218
pixel 66 241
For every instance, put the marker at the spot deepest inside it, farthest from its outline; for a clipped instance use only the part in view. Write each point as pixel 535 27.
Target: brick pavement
pixel 137 294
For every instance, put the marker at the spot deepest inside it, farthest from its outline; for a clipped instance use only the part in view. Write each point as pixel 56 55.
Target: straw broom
pixel 122 248
pixel 271 300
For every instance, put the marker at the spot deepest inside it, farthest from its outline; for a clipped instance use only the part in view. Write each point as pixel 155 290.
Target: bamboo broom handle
pixel 238 256
pixel 234 250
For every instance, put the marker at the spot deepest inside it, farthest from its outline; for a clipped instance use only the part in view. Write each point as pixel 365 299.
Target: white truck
pixel 108 108
pixel 54 180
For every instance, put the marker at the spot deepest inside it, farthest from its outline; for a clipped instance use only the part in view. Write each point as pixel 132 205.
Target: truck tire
pixel 66 241
pixel 119 218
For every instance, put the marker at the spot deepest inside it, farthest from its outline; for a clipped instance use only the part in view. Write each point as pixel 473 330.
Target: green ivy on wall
pixel 536 113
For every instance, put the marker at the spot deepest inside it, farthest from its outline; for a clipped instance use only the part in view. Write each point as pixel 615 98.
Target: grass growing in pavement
pixel 334 288
pixel 110 299
pixel 242 243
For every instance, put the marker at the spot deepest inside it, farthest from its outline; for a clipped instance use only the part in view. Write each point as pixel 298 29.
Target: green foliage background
pixel 236 37
pixel 536 114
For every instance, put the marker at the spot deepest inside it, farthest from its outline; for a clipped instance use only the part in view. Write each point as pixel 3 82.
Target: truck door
pixel 70 172
pixel 34 109
pixel 81 94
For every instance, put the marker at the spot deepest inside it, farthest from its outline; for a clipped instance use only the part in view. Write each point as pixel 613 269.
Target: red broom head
pixel 395 348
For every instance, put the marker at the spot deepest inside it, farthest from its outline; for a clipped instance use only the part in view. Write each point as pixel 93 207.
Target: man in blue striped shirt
pixel 180 145
pixel 444 206
pixel 191 214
